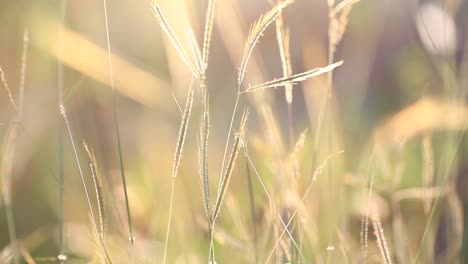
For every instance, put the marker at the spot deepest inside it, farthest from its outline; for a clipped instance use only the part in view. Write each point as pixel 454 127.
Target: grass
pixel 227 177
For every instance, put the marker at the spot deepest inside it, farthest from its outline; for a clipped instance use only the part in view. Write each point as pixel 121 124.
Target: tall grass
pixel 8 150
pixel 389 196
pixel 117 131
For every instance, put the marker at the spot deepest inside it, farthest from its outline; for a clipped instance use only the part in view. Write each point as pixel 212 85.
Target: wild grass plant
pixel 259 165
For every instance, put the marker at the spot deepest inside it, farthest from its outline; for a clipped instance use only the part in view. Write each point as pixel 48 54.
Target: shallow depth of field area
pixel 233 131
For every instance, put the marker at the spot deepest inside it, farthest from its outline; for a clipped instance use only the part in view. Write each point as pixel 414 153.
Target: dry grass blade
pixel 293 79
pixel 182 132
pixel 253 216
pixel 7 88
pixel 24 57
pixel 103 255
pixel 282 36
pixel 173 38
pixel 97 180
pixel 208 31
pixel 256 32
pixel 224 181
pixel 338 16
pixel 203 163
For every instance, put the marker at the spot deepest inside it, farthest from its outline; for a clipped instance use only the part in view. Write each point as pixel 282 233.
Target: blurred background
pixel 397 113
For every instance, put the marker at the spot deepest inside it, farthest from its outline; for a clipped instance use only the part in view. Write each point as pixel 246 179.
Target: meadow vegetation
pixel 225 131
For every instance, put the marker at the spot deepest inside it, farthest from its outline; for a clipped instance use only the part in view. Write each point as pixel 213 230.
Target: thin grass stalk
pixel 101 212
pixel 209 21
pixel 162 21
pixel 62 231
pixel 203 153
pixel 117 132
pixel 225 179
pixel 104 255
pixel 316 174
pixel 365 221
pixel 60 88
pixel 75 152
pixel 203 159
pixel 8 90
pixel 234 112
pixel 24 58
pixel 253 216
pixel 331 56
pixel 283 225
pixel 178 158
pixel 204 133
pixel 205 127
pixel 182 132
pixel 301 241
pixel 256 31
pixel 97 181
pixel 294 78
pixel 282 36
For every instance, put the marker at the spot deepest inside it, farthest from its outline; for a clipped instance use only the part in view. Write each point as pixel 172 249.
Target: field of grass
pixel 233 131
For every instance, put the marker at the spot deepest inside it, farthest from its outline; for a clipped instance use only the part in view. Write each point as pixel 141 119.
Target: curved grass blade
pixel 256 31
pixel 162 21
pixel 294 78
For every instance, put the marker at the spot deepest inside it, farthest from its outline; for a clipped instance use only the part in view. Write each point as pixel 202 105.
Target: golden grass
pixel 303 203
pixel 162 21
pixel 256 32
pixel 294 78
